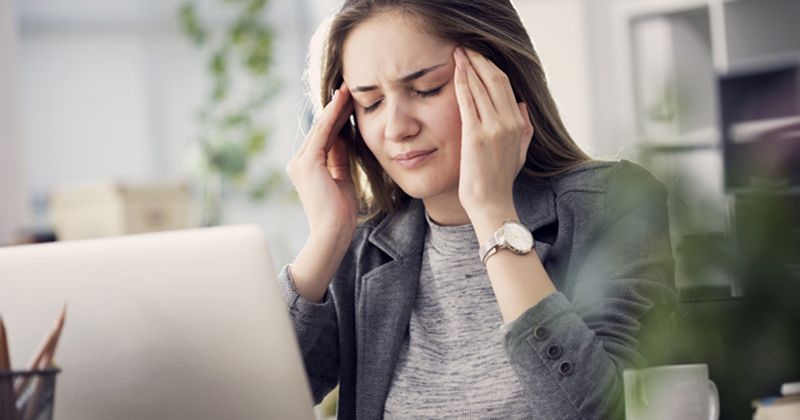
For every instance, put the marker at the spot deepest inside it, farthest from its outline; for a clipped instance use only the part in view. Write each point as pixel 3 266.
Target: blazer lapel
pixel 384 306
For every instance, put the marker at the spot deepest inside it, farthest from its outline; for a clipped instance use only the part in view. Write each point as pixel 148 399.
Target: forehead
pixel 387 47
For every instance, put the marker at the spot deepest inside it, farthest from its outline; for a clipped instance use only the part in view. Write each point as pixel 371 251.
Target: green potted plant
pixel 232 134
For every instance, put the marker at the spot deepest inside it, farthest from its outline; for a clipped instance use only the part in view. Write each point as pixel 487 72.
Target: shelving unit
pixel 715 86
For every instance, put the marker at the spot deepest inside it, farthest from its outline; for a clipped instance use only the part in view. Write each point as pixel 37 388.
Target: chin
pixel 415 189
pixel 421 189
pixel 416 194
pixel 427 182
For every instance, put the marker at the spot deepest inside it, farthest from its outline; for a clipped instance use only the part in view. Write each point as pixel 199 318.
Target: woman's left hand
pixel 495 134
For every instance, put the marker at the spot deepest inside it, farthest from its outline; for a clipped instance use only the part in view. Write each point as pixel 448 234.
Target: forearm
pixel 315 265
pixel 519 281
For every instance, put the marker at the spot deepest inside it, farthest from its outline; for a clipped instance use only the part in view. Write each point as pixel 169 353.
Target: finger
pixel 341 120
pixel 527 134
pixel 466 104
pixel 480 95
pixel 495 80
pixel 331 115
pixel 338 161
pixel 306 140
pixel 311 135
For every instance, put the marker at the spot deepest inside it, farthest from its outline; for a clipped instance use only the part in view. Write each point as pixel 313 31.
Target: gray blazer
pixel 601 232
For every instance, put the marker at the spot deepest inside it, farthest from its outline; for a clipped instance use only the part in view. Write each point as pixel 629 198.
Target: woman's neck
pixel 445 209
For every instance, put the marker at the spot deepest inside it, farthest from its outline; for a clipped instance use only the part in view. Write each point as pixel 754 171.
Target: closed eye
pixel 428 93
pixel 368 109
pixel 420 93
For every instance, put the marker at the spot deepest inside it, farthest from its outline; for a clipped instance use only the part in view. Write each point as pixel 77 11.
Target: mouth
pixel 414 158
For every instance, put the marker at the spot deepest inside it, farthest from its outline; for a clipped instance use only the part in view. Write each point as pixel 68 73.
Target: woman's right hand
pixel 320 172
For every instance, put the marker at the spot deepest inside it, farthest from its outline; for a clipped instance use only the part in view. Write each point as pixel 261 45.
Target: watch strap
pixel 489 252
pixel 490 247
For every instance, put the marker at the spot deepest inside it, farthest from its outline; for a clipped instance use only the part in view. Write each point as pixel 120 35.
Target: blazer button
pixel 554 352
pixel 541 333
pixel 566 369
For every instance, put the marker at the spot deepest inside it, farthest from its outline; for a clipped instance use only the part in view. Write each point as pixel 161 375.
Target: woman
pixel 421 290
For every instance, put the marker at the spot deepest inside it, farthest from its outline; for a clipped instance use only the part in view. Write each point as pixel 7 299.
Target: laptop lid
pixel 178 325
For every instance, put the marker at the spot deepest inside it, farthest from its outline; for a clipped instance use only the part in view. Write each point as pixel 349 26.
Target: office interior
pixel 128 104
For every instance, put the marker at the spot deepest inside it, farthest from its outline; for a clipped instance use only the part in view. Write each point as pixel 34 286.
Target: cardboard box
pixel 112 209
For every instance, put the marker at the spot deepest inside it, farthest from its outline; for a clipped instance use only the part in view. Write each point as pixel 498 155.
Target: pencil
pixel 49 342
pixel 5 357
pixel 8 407
pixel 45 351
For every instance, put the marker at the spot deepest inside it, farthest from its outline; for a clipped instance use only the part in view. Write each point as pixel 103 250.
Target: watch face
pixel 518 237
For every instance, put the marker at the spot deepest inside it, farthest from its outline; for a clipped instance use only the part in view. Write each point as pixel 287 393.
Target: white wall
pixel 13 208
pixel 110 90
pixel 557 29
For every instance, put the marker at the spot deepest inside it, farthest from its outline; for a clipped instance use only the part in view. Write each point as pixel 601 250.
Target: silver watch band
pixel 489 252
pixel 491 246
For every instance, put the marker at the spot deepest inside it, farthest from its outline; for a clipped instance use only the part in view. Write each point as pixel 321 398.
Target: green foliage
pixel 232 132
pixel 191 26
pixel 751 342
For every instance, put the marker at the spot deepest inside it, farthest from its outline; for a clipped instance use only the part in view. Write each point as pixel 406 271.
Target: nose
pixel 400 122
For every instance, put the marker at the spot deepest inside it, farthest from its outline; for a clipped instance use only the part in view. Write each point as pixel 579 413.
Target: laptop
pixel 179 325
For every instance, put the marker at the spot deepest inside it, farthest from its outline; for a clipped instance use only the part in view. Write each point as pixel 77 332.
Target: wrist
pixel 316 263
pixel 489 218
pixel 327 249
pixel 331 231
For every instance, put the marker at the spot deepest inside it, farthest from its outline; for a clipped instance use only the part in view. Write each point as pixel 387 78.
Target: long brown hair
pixel 490 27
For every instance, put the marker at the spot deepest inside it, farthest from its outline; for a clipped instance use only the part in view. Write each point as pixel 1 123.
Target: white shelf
pixel 761 63
pixel 750 131
pixel 705 137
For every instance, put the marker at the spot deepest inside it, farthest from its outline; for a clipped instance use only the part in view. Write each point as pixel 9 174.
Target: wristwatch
pixel 513 236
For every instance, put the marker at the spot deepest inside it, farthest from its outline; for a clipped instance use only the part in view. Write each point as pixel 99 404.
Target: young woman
pixel 465 259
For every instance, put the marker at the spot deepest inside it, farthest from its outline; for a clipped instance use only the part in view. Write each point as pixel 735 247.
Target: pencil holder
pixel 28 395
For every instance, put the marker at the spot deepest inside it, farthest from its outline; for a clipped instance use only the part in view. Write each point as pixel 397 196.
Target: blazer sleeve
pixel 570 354
pixel 317 334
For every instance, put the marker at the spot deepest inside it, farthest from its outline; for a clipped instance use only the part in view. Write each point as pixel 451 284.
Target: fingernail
pixel 335 94
pixel 460 52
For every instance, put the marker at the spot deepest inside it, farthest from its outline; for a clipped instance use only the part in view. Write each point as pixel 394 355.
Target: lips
pixel 413 158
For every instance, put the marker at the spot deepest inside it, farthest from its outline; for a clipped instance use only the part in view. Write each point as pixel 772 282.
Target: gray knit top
pixel 453 363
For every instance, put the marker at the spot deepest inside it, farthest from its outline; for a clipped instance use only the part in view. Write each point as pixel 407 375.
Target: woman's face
pixel 405 103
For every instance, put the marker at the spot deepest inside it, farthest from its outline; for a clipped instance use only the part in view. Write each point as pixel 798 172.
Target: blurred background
pixel 128 116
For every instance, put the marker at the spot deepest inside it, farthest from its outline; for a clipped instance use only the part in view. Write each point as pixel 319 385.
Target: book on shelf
pixel 787 406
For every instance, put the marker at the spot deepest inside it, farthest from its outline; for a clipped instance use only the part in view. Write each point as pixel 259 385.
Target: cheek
pixel 454 120
pixel 370 132
pixel 448 119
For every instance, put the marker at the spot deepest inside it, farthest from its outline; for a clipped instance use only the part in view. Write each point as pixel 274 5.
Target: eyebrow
pixel 405 79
